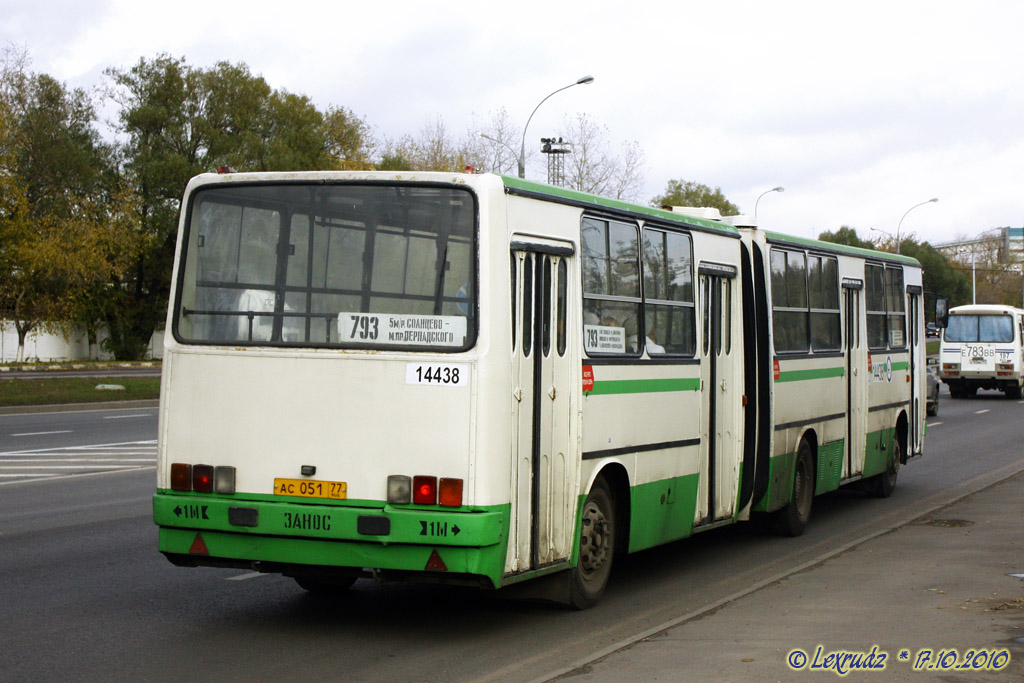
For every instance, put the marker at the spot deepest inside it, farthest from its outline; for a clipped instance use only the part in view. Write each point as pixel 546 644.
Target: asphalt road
pixel 87 597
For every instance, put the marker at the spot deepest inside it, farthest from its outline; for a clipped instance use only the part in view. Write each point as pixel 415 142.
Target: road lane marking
pixel 39 476
pixel 934 424
pixel 244 577
pixel 59 431
pixel 126 417
pixel 981 412
pixel 75 461
pixel 69 467
pixel 120 444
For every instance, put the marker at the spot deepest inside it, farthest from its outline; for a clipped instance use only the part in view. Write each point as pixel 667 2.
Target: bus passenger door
pixel 721 385
pixel 856 379
pixel 545 470
pixel 915 418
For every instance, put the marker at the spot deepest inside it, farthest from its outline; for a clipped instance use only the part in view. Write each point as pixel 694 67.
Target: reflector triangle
pixel 435 563
pixel 198 546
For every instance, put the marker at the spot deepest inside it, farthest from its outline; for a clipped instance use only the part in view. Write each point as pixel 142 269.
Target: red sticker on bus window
pixel 588 379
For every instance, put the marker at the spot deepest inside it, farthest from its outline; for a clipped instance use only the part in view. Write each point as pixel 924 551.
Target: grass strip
pixel 57 390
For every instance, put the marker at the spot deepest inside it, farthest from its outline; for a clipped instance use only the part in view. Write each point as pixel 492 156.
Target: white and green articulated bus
pixel 476 379
pixel 982 347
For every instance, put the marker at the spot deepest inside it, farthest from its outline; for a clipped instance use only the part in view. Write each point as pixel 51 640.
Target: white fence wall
pixel 47 346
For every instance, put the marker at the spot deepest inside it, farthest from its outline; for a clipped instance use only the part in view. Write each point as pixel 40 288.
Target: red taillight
pixel 202 478
pixel 450 493
pixel 424 490
pixel 181 477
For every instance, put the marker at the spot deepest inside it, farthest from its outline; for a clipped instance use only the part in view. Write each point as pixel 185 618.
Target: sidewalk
pixel 943 582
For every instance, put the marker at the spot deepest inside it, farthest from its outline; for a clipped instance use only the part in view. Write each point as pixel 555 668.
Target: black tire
pixel 1013 392
pixel 589 577
pixel 792 519
pixel 335 586
pixel 882 485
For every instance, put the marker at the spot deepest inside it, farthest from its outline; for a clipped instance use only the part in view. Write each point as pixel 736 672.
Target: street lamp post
pixel 522 148
pixel 886 232
pixel 780 188
pixel 502 143
pixel 974 273
pixel 898 225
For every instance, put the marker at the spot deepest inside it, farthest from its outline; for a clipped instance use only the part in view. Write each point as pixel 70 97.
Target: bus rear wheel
pixel 882 485
pixel 317 586
pixel 596 550
pixel 792 519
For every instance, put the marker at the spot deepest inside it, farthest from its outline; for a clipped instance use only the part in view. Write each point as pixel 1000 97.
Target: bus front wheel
pixel 596 550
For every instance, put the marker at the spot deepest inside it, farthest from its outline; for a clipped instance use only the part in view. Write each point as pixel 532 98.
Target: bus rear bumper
pixel 273 537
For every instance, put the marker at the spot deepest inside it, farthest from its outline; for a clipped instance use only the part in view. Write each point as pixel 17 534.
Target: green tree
pixel 180 121
pixel 58 190
pixel 689 193
pixel 848 236
pixel 941 278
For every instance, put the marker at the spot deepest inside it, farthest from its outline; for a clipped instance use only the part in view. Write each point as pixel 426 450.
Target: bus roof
pixel 840 248
pixel 983 308
pixel 565 195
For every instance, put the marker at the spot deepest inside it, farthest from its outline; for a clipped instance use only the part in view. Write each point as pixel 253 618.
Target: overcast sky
pixel 861 110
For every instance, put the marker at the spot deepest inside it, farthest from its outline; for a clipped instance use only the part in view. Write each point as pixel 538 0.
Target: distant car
pixel 932 402
pixel 930 330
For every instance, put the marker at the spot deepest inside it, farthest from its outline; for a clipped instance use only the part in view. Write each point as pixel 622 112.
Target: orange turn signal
pixel 451 493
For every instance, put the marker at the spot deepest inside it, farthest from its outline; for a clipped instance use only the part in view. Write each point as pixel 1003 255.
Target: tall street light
pixel 522 148
pixel 780 188
pixel 503 144
pixel 886 232
pixel 898 225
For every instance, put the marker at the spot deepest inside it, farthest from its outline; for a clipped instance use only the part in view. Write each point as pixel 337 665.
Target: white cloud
pixel 860 110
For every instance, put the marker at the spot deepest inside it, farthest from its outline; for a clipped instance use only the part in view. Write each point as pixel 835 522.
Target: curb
pixel 48 367
pixel 79 407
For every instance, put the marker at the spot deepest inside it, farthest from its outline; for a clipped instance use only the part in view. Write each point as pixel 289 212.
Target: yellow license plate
pixel 306 488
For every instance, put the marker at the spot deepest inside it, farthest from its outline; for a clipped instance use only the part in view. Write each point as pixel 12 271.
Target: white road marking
pixel 59 431
pixel 28 465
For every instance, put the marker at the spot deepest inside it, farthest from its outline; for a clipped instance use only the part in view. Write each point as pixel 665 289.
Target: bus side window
pixel 611 286
pixel 669 313
pixel 515 264
pixel 563 293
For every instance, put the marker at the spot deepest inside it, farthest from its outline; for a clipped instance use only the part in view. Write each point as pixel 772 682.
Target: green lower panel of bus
pixel 878 453
pixel 662 511
pixel 828 467
pixel 383 537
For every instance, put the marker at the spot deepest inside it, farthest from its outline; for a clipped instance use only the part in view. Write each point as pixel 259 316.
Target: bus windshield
pixel 979 328
pixel 346 265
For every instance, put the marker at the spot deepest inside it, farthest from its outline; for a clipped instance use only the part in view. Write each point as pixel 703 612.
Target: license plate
pixel 306 488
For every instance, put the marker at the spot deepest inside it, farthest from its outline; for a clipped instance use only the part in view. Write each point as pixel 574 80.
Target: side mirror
pixel 941 313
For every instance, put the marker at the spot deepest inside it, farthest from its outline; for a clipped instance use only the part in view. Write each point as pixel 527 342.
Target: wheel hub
pixel 594 541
